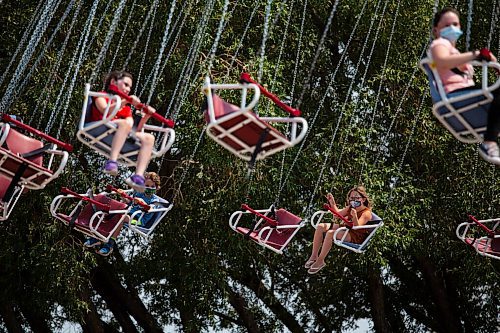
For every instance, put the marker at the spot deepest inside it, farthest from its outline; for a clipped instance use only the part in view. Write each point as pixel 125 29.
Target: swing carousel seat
pixel 98 135
pixel 22 157
pixel 8 203
pixel 482 235
pixel 91 219
pixel 243 132
pixel 463 113
pixel 373 225
pixel 271 233
pixel 160 209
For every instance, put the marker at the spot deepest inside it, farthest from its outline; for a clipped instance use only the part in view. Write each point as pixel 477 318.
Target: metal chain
pixel 322 101
pixel 240 44
pixel 162 49
pixel 120 41
pixel 40 29
pixel 469 25
pixel 28 32
pixel 139 35
pixel 298 54
pixel 107 41
pixel 42 53
pixel 343 108
pixel 264 39
pixel 81 46
pixel 379 90
pixel 172 47
pixel 144 53
pixel 493 22
pixel 55 67
pixel 316 55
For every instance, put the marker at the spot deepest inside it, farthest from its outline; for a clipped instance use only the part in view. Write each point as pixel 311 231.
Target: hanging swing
pixel 463 113
pixel 485 240
pixel 27 161
pixel 243 132
pixel 373 225
pixel 272 229
pixel 159 207
pixel 98 135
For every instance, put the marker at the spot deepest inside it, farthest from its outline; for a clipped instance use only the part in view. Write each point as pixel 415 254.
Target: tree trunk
pixel 241 307
pixel 128 298
pixel 377 301
pixel 37 322
pixel 448 320
pixel 10 318
pixel 91 321
pixel 252 281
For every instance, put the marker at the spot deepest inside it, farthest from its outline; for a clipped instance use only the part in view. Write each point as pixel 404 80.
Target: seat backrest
pixel 19 143
pixel 221 108
pixel 4 185
pixel 436 97
pixel 286 218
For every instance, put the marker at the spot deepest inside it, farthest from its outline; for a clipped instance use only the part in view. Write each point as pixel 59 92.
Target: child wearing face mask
pixel 457 74
pixel 148 197
pixel 357 210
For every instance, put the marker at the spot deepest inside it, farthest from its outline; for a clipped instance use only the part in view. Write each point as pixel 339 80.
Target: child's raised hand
pixel 139 201
pixel 331 200
pixel 135 100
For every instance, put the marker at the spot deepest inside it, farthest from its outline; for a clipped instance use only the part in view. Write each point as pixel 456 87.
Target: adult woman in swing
pixel 357 210
pixel 457 74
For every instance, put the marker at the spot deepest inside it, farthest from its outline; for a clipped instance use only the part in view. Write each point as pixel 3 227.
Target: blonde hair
pixel 154 177
pixel 362 191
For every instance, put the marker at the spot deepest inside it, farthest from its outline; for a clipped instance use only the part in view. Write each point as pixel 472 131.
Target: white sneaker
pixel 490 152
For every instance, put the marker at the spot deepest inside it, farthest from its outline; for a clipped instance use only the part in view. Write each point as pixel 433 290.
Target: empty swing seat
pixel 482 235
pixel 241 131
pixel 91 219
pixel 272 233
pixel 98 135
pixel 373 225
pixel 463 113
pixel 22 157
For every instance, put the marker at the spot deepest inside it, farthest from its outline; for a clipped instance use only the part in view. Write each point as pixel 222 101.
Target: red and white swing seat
pixel 271 233
pixel 98 135
pixel 22 157
pixel 463 113
pixel 485 240
pixel 101 216
pixel 7 204
pixel 373 225
pixel 241 131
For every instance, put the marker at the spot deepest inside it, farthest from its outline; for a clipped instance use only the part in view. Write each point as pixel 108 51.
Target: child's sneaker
pixel 489 151
pixel 107 248
pixel 136 182
pixel 92 242
pixel 111 168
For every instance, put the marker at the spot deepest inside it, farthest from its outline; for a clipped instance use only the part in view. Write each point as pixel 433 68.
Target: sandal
pixel 314 270
pixel 309 263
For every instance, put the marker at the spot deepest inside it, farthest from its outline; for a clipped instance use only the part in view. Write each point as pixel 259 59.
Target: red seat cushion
pixel 493 248
pixel 249 133
pixel 19 143
pixel 107 226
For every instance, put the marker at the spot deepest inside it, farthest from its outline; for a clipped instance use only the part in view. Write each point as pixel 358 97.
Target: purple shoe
pixel 136 182
pixel 111 168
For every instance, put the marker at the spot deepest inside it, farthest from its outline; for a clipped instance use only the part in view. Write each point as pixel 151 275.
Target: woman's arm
pixel 445 60
pixel 362 220
pixel 145 118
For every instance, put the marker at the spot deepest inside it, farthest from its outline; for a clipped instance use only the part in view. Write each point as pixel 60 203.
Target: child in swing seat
pixel 123 82
pixel 357 210
pixel 148 197
pixel 456 73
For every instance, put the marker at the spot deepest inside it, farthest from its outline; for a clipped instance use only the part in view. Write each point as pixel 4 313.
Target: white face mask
pixel 355 203
pixel 451 33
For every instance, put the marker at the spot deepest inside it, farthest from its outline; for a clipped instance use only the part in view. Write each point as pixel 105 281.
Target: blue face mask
pixel 451 33
pixel 355 203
